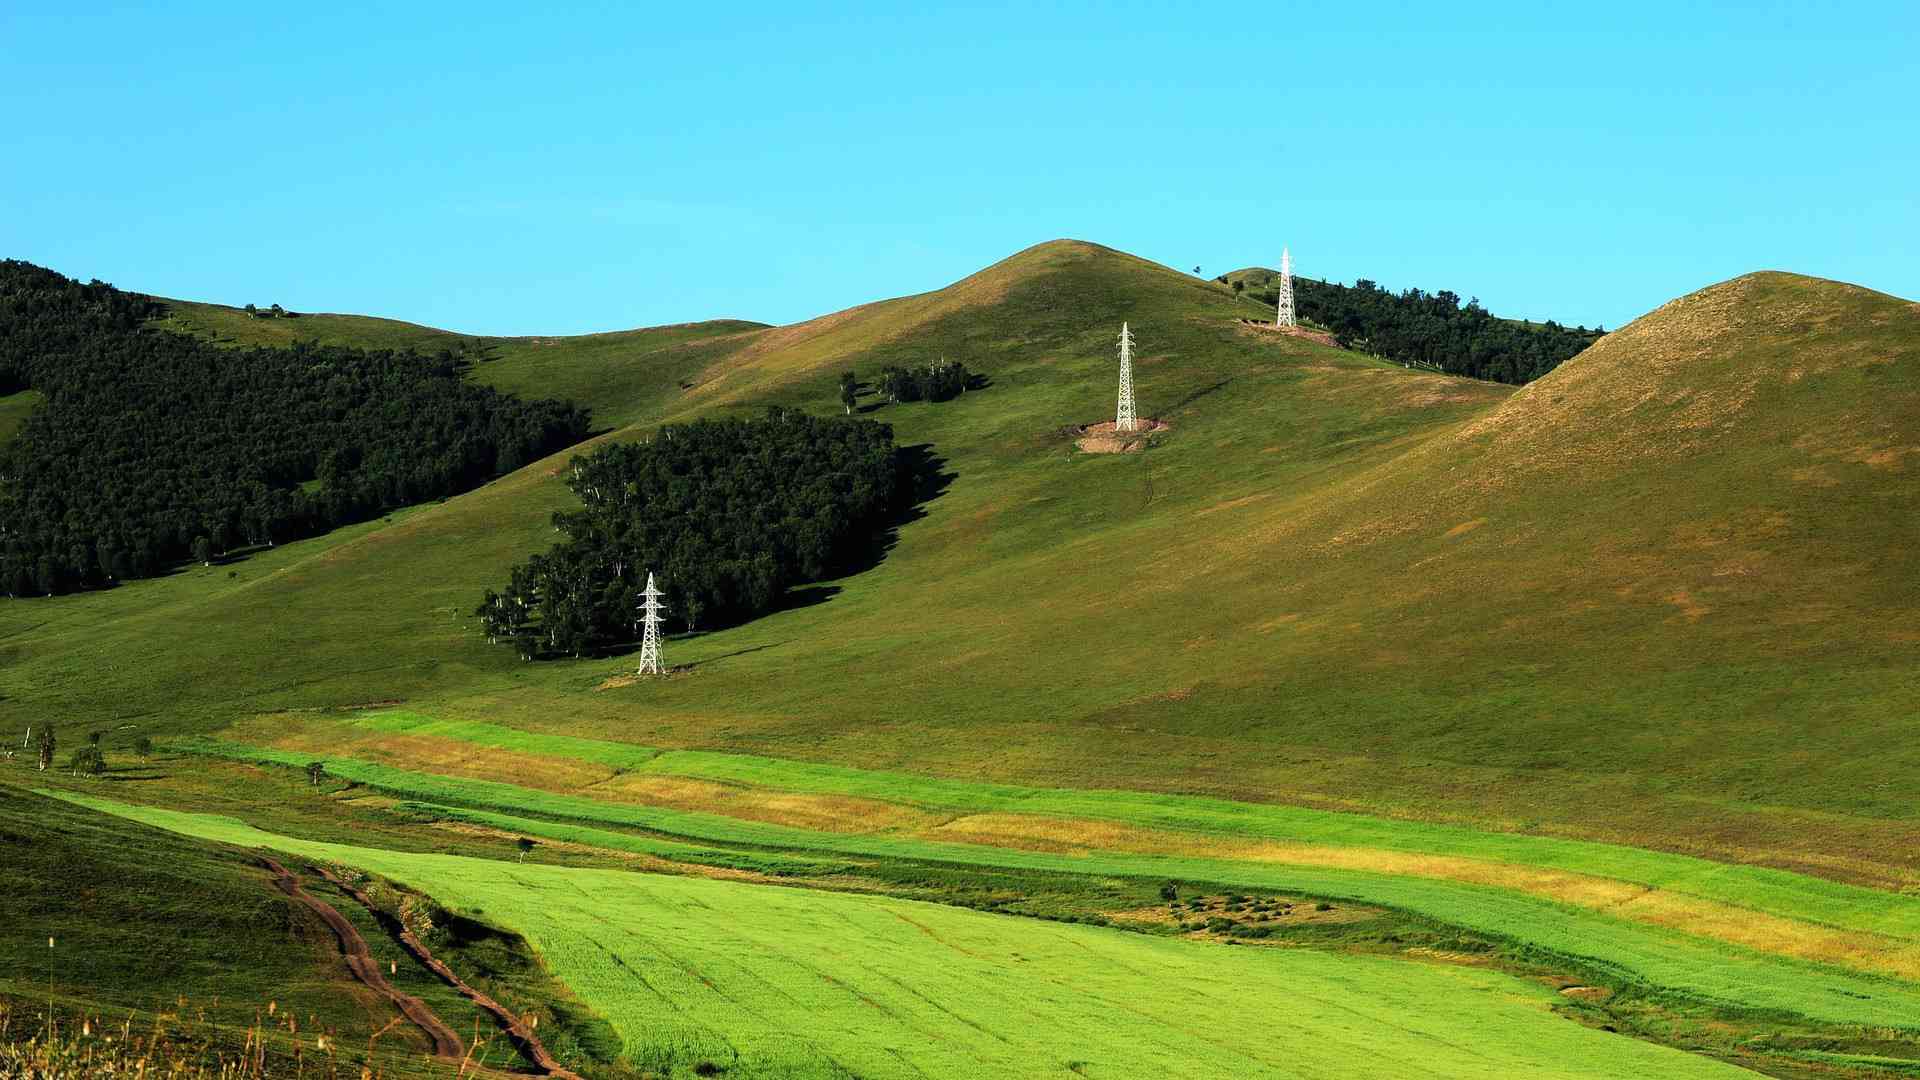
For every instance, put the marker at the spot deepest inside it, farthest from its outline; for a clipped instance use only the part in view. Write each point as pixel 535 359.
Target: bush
pixel 938 381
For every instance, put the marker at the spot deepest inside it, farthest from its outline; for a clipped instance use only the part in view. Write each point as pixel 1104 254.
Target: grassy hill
pixel 1615 599
pixel 1661 597
pixel 622 376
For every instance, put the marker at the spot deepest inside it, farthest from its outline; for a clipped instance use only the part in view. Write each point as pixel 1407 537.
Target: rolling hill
pixel 1656 605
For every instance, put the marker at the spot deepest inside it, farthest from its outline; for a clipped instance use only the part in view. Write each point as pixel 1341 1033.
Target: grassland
pixel 156 930
pixel 762 982
pixel 1587 924
pixel 13 412
pixel 1621 667
pixel 1370 589
pixel 623 376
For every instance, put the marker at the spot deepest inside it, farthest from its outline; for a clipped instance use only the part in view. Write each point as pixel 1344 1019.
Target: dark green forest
pixel 152 447
pixel 1432 330
pixel 727 513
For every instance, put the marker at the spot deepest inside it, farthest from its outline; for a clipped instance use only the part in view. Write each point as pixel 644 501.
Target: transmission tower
pixel 1283 314
pixel 650 609
pixel 1125 421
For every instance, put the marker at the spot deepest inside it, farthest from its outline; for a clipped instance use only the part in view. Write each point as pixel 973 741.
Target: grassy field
pixel 1367 588
pixel 770 982
pixel 13 412
pixel 1587 924
pixel 1622 666
pixel 622 376
pixel 190 937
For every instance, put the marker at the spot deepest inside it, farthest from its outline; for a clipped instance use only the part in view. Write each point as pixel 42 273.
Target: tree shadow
pixel 734 653
pixel 923 478
pixel 805 596
pixel 1196 396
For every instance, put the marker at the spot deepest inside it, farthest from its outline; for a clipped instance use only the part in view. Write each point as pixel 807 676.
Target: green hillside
pixel 13 412
pixel 1615 674
pixel 1364 586
pixel 622 376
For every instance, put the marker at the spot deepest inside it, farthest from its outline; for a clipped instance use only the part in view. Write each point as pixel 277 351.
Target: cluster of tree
pixel 89 760
pixel 1435 330
pixel 152 446
pixel 939 380
pixel 274 312
pixel 727 513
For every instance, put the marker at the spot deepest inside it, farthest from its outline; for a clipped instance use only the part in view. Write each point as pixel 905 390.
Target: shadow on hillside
pixel 734 653
pixel 1196 396
pixel 923 478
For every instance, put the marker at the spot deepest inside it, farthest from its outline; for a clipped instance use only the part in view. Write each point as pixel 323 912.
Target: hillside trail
pixel 360 961
pixel 517 1029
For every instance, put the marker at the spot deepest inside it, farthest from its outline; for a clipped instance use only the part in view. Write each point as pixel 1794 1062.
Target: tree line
pixel 1434 330
pixel 151 447
pixel 728 513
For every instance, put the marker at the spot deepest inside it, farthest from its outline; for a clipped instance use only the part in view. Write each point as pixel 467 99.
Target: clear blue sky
pixel 500 169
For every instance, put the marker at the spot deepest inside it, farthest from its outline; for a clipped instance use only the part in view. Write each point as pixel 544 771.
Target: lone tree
pixel 316 772
pixel 47 741
pixel 849 390
pixel 143 746
pixel 525 845
pixel 203 551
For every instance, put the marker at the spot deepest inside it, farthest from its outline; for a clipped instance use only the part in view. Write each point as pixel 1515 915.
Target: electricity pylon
pixel 650 609
pixel 1124 420
pixel 1283 312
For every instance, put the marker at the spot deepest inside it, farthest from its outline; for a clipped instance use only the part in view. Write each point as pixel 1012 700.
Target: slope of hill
pixel 1416 328
pixel 1659 597
pixel 621 376
pixel 1351 583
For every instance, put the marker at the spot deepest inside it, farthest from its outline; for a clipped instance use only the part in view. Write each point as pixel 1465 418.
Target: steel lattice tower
pixel 1124 420
pixel 1283 313
pixel 650 609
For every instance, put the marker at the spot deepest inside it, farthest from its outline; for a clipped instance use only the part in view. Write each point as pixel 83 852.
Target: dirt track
pixel 523 1037
pixel 360 960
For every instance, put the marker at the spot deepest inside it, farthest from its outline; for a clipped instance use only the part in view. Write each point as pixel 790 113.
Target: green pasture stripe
pixel 1723 974
pixel 794 983
pixel 1756 888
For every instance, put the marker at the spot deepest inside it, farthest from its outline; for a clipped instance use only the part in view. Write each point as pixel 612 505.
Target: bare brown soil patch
pixel 1103 438
pixel 1318 337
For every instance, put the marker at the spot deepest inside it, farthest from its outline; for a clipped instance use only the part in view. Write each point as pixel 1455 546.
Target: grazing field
pixel 772 982
pixel 1711 957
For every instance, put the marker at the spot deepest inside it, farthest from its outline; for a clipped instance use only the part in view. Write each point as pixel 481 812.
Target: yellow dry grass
pixel 1705 918
pixel 827 813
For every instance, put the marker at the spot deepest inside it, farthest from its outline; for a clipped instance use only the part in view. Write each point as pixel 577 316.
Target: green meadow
pixel 1655 958
pixel 1754 888
pixel 788 983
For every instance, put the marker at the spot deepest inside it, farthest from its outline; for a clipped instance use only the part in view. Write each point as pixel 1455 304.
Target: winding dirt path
pixel 360 960
pixel 517 1030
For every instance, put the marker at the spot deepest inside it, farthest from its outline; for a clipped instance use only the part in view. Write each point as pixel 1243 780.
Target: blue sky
pixel 510 170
